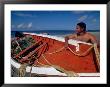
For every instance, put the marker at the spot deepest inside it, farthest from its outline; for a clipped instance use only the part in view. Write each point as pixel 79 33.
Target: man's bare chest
pixel 83 38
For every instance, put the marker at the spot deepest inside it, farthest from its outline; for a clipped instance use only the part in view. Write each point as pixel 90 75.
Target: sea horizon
pixel 59 33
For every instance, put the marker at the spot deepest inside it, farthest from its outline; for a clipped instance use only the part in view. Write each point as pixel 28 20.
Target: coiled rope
pixel 22 70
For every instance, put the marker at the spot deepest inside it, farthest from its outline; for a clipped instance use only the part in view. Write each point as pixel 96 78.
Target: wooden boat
pixel 45 55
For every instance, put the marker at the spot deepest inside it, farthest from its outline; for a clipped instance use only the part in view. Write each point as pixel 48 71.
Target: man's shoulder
pixel 71 34
pixel 90 35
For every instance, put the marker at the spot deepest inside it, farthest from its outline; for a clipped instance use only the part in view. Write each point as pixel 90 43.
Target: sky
pixel 53 20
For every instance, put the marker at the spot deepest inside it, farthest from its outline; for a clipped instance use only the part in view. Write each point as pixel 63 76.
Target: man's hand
pixel 66 42
pixel 66 46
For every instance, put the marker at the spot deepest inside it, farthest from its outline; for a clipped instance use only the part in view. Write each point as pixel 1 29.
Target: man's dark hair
pixel 82 25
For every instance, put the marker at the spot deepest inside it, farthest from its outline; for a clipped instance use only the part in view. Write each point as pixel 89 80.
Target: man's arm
pixel 67 38
pixel 94 40
pixel 66 41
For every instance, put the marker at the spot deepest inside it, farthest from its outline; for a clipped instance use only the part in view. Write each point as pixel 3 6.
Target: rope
pixel 31 70
pixel 57 51
pixel 83 54
pixel 97 54
pixel 69 73
pixel 44 65
pixel 46 60
pixel 18 45
pixel 40 63
pixel 22 70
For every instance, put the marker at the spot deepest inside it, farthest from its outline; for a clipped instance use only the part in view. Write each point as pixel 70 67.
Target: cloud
pixel 29 25
pixel 24 15
pixel 20 25
pixel 82 18
pixel 23 26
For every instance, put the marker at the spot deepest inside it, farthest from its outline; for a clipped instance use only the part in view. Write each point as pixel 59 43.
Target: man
pixel 81 35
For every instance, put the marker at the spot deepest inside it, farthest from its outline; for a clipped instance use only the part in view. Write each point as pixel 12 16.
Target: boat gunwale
pixel 59 38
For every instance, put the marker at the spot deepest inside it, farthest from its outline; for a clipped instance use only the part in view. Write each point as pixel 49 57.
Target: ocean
pixel 60 33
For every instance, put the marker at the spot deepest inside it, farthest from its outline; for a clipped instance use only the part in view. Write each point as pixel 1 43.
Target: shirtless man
pixel 81 35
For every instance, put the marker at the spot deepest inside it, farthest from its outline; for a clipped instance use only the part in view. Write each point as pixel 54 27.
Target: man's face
pixel 78 29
